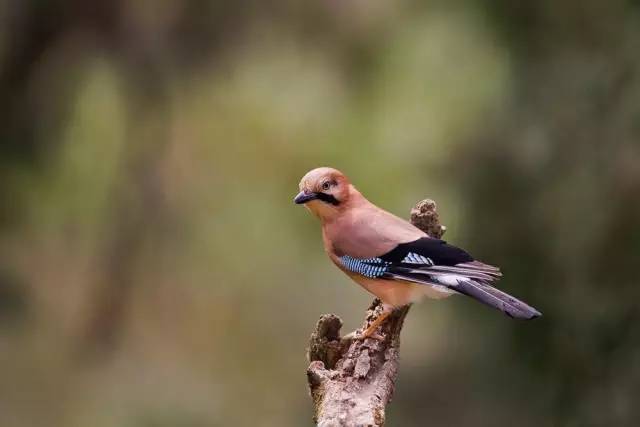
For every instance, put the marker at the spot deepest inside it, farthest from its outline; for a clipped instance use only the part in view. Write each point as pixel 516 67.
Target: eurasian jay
pixel 391 258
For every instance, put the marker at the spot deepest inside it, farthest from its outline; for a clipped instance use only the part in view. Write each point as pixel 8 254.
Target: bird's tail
pixel 473 283
pixel 495 298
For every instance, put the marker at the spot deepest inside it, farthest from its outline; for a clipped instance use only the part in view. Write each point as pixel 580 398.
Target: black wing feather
pixel 439 251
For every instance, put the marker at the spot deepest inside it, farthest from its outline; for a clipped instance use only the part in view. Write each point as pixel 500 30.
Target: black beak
pixel 304 197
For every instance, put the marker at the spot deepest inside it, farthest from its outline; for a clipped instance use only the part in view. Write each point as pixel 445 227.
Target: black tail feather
pixel 472 283
pixel 495 298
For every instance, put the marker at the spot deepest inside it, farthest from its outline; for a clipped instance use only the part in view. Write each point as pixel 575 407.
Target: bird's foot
pixel 370 331
pixel 357 335
pixel 360 336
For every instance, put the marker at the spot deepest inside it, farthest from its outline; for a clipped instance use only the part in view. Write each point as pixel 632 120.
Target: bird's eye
pixel 326 185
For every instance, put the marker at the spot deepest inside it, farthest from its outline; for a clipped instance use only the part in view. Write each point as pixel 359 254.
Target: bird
pixel 390 257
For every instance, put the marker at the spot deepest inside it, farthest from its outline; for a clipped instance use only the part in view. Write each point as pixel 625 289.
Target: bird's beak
pixel 304 197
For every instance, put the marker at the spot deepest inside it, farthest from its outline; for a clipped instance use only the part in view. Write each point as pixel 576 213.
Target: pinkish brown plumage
pixel 390 257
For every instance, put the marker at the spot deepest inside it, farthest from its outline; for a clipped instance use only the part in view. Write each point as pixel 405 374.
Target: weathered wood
pixel 352 381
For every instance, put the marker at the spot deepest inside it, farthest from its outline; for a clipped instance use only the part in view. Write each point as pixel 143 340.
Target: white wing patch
pixel 450 279
pixel 413 258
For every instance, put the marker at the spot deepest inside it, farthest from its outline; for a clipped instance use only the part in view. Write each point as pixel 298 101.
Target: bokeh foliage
pixel 154 272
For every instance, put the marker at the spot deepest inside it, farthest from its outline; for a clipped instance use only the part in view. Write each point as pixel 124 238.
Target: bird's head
pixel 326 192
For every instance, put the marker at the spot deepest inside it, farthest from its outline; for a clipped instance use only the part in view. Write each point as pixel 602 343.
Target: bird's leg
pixel 369 332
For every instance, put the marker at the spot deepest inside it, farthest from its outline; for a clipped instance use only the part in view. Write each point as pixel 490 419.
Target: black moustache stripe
pixel 328 198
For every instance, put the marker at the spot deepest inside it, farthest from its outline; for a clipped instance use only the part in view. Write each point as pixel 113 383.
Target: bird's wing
pixel 434 262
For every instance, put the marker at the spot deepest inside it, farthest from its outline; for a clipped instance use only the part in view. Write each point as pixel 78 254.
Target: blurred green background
pixel 155 272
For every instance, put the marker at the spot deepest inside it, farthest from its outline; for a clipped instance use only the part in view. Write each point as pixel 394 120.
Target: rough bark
pixel 352 381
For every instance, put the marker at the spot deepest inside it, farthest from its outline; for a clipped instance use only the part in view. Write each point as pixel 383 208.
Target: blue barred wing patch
pixel 414 258
pixel 368 267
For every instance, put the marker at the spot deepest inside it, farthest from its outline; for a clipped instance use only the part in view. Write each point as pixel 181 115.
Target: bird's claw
pixel 361 336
